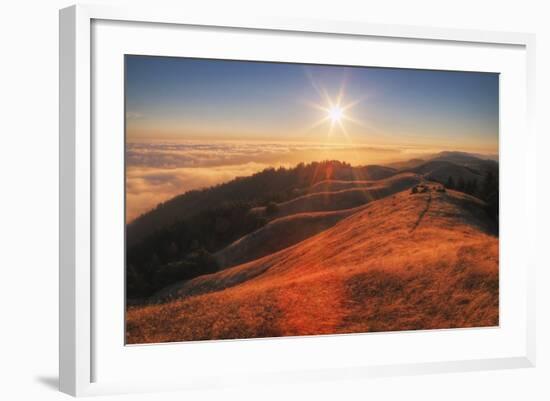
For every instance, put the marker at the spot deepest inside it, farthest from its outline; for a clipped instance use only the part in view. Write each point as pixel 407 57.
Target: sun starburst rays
pixel 335 110
pixel 335 114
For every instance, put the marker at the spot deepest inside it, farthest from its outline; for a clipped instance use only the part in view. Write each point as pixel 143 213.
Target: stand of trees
pixel 184 250
pixel 486 190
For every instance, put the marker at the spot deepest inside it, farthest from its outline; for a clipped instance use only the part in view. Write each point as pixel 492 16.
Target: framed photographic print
pixel 278 200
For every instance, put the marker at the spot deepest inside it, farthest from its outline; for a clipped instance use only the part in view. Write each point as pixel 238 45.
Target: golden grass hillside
pixel 279 234
pixel 338 195
pixel 404 262
pixel 405 179
pixel 347 197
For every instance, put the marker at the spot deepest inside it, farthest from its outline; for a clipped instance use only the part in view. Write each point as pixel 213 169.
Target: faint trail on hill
pixel 312 310
pixel 422 213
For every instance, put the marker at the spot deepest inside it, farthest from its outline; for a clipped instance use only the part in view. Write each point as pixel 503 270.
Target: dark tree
pixel 471 187
pixel 490 194
pixel 450 182
pixel 461 186
pixel 271 209
pixel 489 184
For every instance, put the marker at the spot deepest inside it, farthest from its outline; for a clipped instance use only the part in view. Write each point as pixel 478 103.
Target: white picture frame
pixel 78 348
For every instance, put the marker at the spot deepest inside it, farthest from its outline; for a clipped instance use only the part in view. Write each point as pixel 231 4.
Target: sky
pixel 181 98
pixel 192 123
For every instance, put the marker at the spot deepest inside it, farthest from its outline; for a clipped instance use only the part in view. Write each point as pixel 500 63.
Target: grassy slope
pixel 403 262
pixel 343 198
pixel 338 185
pixel 331 196
pixel 279 234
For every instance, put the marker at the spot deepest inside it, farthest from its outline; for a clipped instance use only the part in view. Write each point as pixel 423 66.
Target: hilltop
pixel 406 261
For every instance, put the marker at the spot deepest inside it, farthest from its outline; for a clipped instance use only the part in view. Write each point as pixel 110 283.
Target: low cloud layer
pixel 194 154
pixel 147 187
pixel 156 172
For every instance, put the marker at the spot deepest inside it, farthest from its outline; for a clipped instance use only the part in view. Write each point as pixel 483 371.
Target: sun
pixel 335 113
pixel 335 109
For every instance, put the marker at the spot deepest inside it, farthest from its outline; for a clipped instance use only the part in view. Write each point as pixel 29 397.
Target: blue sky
pixel 181 98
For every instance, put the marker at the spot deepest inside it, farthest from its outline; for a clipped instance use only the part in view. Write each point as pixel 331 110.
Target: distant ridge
pixel 464 156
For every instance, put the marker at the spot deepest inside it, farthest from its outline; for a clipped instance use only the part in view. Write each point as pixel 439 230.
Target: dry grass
pixel 339 195
pixel 279 234
pixel 338 185
pixel 300 218
pixel 400 263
